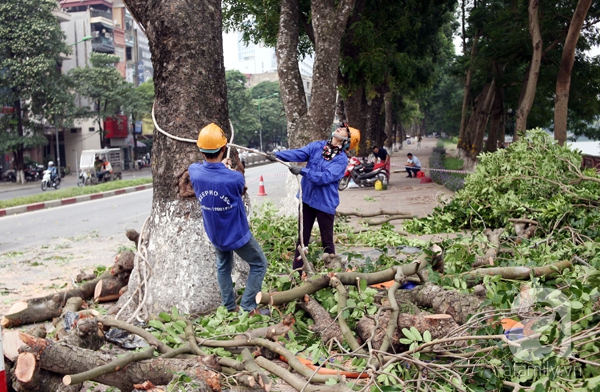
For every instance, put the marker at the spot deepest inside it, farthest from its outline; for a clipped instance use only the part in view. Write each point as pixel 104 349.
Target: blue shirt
pixel 320 177
pixel 219 191
pixel 416 161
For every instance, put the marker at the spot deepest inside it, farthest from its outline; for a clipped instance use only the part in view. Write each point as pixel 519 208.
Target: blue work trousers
pixel 252 254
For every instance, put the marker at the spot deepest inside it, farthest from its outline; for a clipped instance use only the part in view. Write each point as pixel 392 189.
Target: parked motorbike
pixel 47 181
pixel 34 173
pixel 364 174
pixel 8 175
pixel 87 177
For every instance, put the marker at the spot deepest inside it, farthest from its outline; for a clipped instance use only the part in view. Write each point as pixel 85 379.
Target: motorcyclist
pixel 52 169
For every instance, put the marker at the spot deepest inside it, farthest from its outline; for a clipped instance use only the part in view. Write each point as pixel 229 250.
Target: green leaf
pixel 427 336
pixel 175 312
pixel 576 305
pixel 408 334
pixel 156 324
pixel 416 334
pixel 166 317
pixel 363 285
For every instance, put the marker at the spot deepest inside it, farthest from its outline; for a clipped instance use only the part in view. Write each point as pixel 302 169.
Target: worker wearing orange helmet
pixel 326 162
pixel 219 191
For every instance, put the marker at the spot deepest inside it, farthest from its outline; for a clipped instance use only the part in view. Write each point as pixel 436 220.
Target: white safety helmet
pixel 50 163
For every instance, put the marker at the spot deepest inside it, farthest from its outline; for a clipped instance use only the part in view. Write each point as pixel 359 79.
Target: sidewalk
pixel 70 181
pixel 407 195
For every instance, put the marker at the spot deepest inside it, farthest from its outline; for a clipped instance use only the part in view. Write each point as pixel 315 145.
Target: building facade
pixel 113 31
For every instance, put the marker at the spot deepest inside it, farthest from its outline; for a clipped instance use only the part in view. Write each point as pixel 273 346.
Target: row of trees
pixel 257 113
pixel 525 63
pixel 35 94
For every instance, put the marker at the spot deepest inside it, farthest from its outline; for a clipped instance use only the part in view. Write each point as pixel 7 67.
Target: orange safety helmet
pixel 211 138
pixel 354 138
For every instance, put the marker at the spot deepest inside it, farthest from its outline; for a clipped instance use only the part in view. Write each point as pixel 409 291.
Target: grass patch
pixel 73 191
pixel 453 163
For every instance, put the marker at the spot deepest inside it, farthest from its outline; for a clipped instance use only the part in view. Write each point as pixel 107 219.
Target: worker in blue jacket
pixel 219 191
pixel 326 163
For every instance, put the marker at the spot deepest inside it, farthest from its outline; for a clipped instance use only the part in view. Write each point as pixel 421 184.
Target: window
pixel 73 130
pixel 92 129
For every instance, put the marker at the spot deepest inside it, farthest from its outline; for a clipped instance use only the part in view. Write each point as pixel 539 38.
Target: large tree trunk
pixel 563 81
pixel 190 92
pixel 68 360
pixel 328 19
pixel 534 70
pixel 389 122
pixel 496 122
pixel 374 130
pixel 462 136
pixel 473 136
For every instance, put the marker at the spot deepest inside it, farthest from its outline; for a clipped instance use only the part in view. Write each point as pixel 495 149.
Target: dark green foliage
pixel 31 43
pixel 535 178
pixel 103 86
pixel 254 110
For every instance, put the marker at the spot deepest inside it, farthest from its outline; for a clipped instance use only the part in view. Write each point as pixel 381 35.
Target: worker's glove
pixel 295 169
pixel 271 156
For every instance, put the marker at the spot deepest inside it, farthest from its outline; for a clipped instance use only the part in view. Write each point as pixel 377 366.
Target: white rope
pixel 241 148
pixel 142 252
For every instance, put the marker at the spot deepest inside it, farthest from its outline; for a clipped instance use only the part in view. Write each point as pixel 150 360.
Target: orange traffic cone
pixel 261 187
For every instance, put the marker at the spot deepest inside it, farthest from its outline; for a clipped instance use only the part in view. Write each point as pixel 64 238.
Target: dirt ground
pixel 40 270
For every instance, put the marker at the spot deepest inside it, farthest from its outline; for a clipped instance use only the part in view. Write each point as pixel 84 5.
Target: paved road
pixel 109 216
pixel 9 190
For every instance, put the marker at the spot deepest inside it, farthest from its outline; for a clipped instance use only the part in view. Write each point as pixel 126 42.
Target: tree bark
pixel 48 307
pixel 389 122
pixel 439 325
pixel 64 359
pixel 497 122
pixel 30 378
pixel 462 136
pixel 324 324
pixel 563 81
pixel 459 306
pixel 328 19
pixel 534 70
pixel 185 39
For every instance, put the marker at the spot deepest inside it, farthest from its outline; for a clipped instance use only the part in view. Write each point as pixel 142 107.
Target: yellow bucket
pixel 378 185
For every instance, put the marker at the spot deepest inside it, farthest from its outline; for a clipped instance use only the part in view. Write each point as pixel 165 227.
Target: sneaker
pixel 408 176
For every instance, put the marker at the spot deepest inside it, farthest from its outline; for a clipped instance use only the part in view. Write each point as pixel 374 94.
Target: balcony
pixel 100 13
pixel 129 40
pixel 103 45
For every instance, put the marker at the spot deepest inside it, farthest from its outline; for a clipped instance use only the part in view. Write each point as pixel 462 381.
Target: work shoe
pixel 408 176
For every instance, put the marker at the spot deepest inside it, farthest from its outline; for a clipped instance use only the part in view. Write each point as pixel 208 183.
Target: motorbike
pixel 87 177
pixel 34 172
pixel 364 174
pixel 47 181
pixel 8 175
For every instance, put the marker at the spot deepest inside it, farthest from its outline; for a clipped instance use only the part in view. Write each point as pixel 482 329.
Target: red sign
pixel 116 127
pixel 8 110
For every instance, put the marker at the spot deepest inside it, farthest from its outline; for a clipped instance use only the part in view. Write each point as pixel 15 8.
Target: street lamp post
pixel 259 119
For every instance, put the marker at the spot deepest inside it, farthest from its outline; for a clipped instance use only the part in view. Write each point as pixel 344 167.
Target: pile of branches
pixel 377 334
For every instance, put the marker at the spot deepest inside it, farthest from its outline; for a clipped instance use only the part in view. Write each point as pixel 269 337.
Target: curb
pixel 71 200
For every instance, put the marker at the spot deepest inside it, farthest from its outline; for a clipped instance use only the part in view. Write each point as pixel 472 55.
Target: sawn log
pixel 64 359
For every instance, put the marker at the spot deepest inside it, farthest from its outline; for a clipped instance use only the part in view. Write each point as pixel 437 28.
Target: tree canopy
pixel 103 86
pixel 31 86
